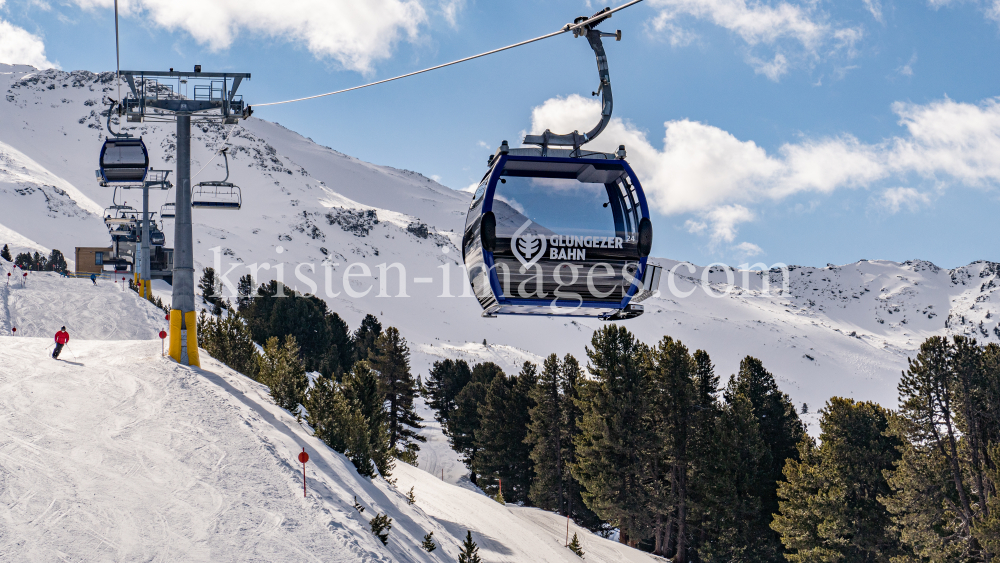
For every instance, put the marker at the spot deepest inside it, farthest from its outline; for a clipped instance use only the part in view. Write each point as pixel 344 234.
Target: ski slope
pixel 46 301
pixel 115 453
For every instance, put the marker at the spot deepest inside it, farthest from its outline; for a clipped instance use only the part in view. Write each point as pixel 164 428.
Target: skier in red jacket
pixel 62 338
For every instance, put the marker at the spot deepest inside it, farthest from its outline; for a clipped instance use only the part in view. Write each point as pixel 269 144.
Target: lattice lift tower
pixel 156 96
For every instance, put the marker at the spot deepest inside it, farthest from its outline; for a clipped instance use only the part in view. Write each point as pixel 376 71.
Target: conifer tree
pixel 470 551
pixel 56 262
pixel 672 396
pixel 363 389
pixel 23 261
pixel 780 429
pixel 829 508
pixel 445 381
pixel 737 526
pixel 380 525
pixel 570 377
pixel 706 452
pixel 228 340
pixel 340 356
pixel 614 433
pixel 5 254
pixel 574 545
pixel 339 424
pixel 503 452
pixel 390 357
pixel 365 336
pixel 547 436
pixel 428 543
pixel 463 425
pixel 244 292
pixel 211 289
pixel 282 371
pixel 944 500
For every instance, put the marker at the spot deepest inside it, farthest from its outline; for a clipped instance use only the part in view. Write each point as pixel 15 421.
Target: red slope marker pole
pixel 303 457
pixel 162 335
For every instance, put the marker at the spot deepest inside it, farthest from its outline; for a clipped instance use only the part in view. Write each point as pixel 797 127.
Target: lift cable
pixel 567 28
pixel 118 64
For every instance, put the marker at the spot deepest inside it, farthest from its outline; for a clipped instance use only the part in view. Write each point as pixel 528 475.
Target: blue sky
pixel 802 132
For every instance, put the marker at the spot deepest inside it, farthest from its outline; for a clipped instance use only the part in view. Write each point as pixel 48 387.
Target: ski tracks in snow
pixel 136 458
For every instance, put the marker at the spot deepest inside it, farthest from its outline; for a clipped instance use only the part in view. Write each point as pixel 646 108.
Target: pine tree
pixel 428 543
pixel 574 545
pixel 503 451
pixel 363 390
pixel 365 336
pixel 737 525
pixel 340 357
pixel 570 378
pixel 5 254
pixel 228 340
pixel 244 291
pixel 614 433
pixel 282 371
pixel 444 382
pixel 390 357
pixel 38 262
pixel 304 317
pixel 410 497
pixel 830 509
pixel 945 487
pixel 673 399
pixel 56 262
pixel 211 289
pixel 708 497
pixel 780 429
pixel 547 436
pixel 23 261
pixel 339 424
pixel 464 424
pixel 470 551
pixel 380 525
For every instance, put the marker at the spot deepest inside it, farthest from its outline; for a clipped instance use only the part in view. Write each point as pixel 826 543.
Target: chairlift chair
pixel 217 195
pixel 561 232
pixel 168 210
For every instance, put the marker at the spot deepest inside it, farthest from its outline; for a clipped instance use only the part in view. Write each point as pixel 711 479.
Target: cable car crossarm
pixel 587 27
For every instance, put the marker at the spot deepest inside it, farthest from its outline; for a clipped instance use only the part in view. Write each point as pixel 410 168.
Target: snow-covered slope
pixel 839 330
pixel 47 301
pixel 115 453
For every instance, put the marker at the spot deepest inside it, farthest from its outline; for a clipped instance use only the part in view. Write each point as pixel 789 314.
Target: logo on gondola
pixel 528 248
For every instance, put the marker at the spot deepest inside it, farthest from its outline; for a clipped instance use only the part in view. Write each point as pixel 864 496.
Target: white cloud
pixel 875 7
pixel 786 24
pixel 895 199
pixel 450 10
pixel 355 34
pixel 773 69
pixel 907 69
pixel 18 46
pixel 746 250
pixel 709 173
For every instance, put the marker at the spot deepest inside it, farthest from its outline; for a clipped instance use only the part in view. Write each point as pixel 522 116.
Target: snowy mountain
pixel 839 330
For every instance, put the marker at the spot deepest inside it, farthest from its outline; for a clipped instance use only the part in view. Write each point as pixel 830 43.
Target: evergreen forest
pixel 644 442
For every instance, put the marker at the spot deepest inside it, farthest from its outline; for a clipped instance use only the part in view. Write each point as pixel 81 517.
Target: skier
pixel 93 278
pixel 62 338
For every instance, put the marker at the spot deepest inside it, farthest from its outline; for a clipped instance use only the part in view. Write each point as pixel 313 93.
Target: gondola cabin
pixel 123 161
pixel 559 235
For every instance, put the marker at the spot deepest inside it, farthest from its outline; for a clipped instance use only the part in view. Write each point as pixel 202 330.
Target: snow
pixel 115 453
pixel 49 301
